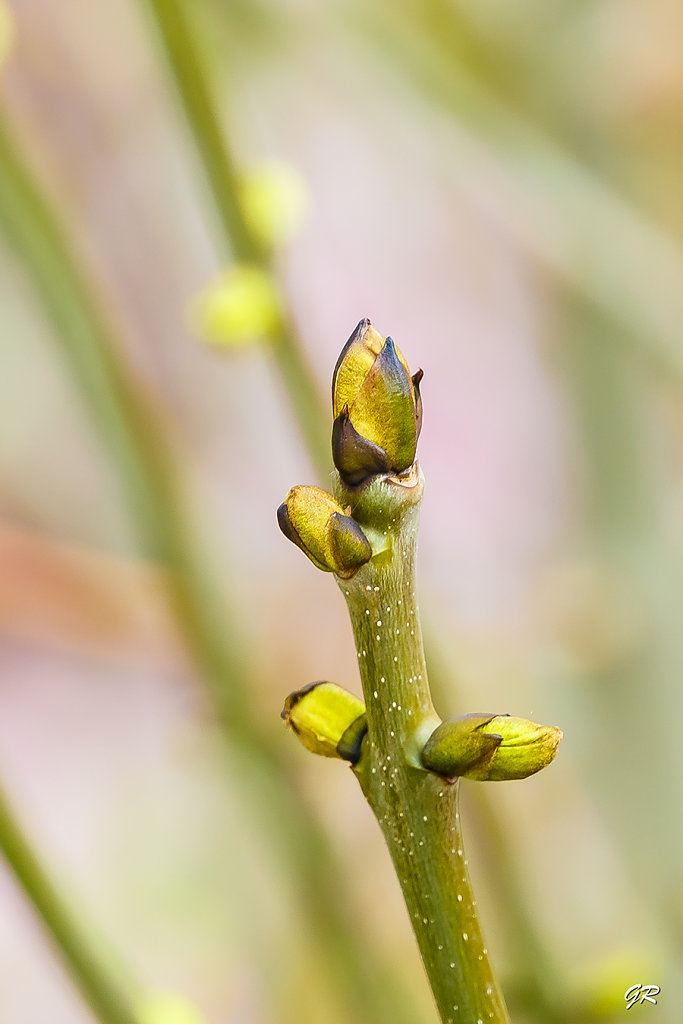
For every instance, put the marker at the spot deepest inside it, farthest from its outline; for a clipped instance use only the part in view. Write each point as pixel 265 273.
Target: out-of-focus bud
pixel 6 31
pixel 315 522
pixel 275 201
pixel 239 308
pixel 168 1008
pixel 376 405
pixel 490 748
pixel 327 719
pixel 606 985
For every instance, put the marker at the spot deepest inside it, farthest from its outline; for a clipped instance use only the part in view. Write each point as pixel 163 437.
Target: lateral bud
pixel 490 748
pixel 316 523
pixel 327 719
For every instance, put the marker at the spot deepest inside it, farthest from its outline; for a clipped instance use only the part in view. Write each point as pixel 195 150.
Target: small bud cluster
pixel 377 418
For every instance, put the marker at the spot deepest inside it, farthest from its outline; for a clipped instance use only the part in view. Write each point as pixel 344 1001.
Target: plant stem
pixel 97 982
pixel 185 60
pixel 417 810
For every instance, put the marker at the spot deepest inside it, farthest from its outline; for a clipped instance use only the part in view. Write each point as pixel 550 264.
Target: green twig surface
pixel 417 810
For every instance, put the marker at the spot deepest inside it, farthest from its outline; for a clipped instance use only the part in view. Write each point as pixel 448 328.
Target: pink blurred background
pixel 516 228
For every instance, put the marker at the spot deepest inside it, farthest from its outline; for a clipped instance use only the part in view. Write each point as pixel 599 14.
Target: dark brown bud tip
pixel 417 379
pixel 285 524
pixel 355 456
pixel 295 697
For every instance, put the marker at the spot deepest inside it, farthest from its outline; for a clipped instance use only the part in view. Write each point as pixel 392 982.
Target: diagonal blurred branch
pixel 180 47
pixel 561 211
pixel 75 598
pixel 93 975
pixel 133 431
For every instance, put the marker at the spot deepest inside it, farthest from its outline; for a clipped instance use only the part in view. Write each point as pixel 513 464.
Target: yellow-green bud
pixel 275 202
pixel 490 748
pixel 7 31
pixel 239 308
pixel 376 406
pixel 327 719
pixel 168 1008
pixel 315 522
pixel 602 986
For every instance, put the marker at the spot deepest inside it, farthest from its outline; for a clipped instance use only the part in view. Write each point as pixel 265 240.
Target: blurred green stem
pixel 594 240
pixel 134 432
pixel 536 974
pixel 93 976
pixel 185 59
pixel 633 544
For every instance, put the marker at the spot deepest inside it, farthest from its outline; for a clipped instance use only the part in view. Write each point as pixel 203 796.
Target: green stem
pixel 417 810
pixel 188 68
pixel 96 981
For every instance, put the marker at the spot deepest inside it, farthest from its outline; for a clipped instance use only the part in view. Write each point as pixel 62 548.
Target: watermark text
pixel 641 994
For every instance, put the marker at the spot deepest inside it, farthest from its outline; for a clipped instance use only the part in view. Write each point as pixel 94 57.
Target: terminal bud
pixel 376 406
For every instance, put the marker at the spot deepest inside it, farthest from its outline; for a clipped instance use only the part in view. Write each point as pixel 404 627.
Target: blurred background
pixel 198 202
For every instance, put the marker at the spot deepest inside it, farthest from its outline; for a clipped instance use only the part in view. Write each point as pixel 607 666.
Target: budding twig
pixel 409 763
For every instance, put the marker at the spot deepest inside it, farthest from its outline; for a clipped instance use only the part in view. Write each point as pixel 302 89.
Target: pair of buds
pixel 489 748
